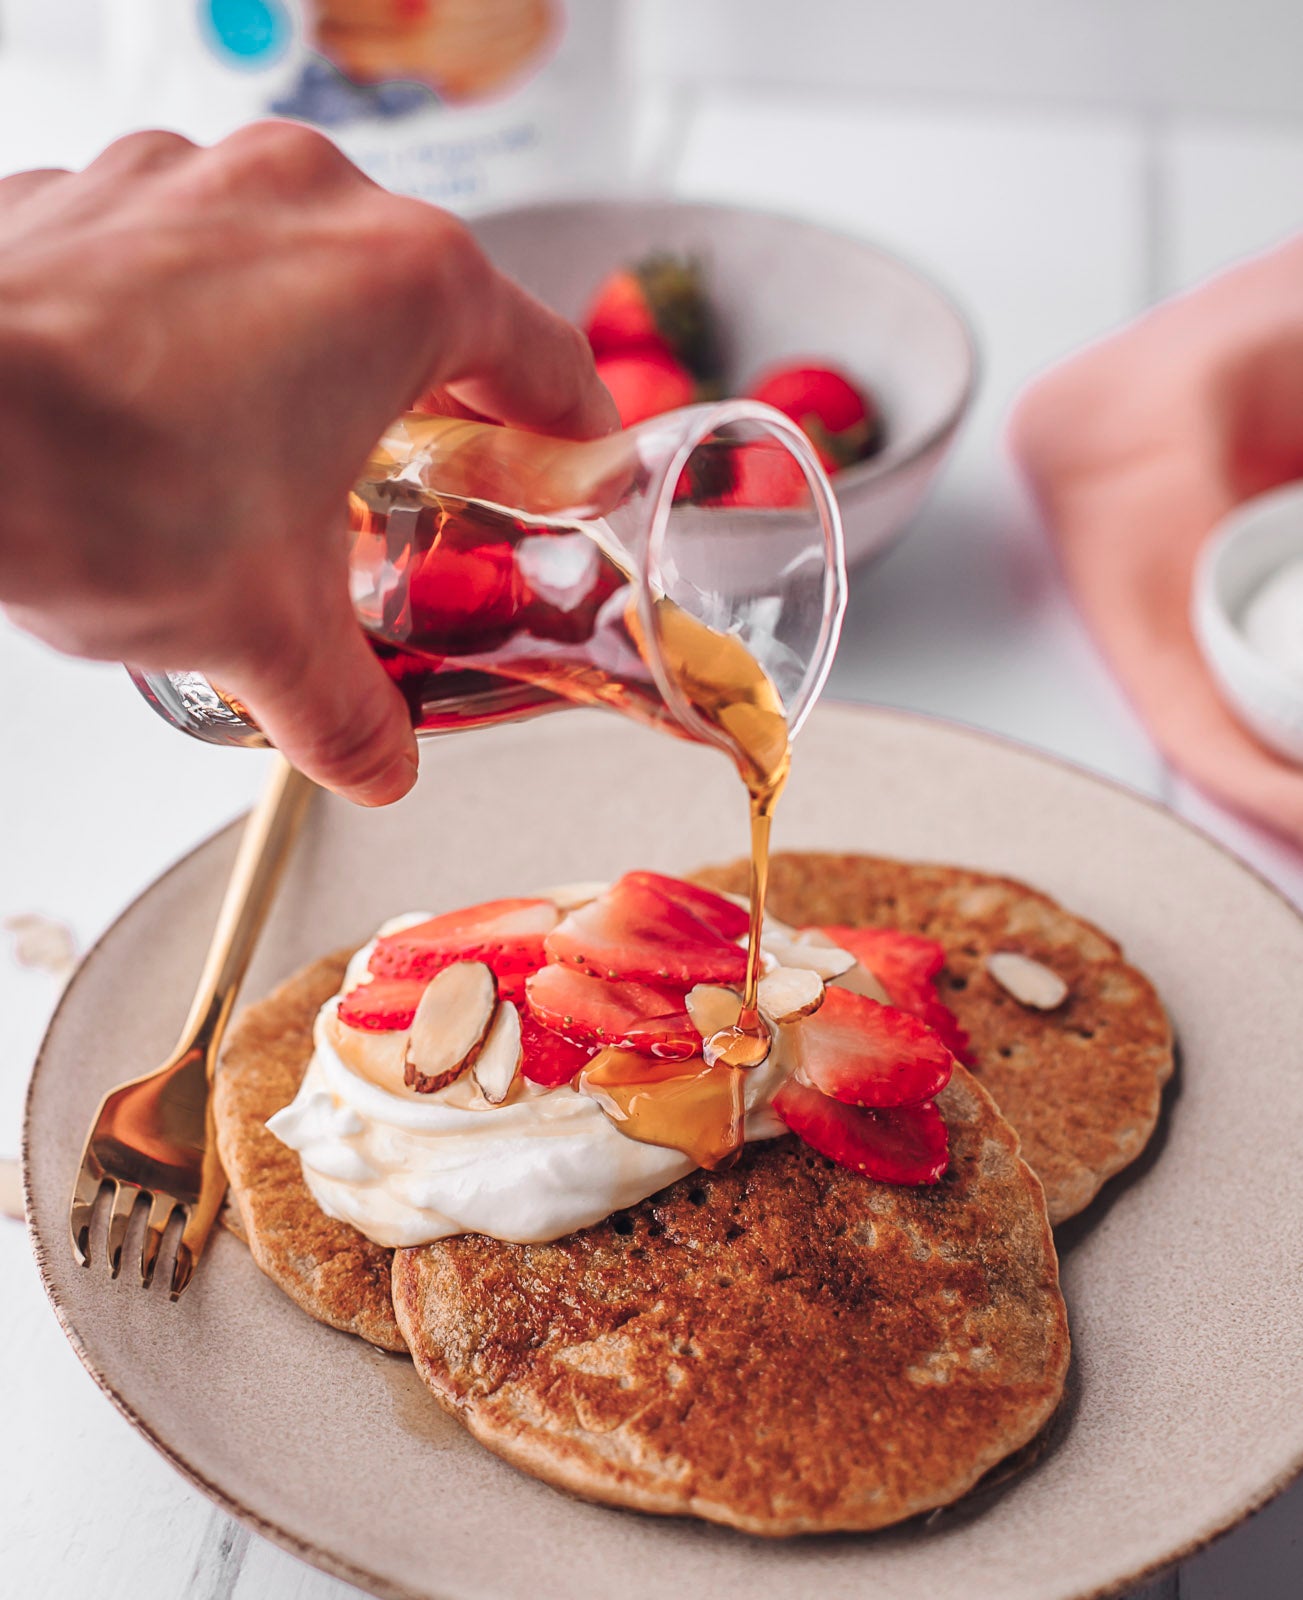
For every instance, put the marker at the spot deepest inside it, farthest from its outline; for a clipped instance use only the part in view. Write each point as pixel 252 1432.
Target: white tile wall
pixel 1205 55
pixel 1229 187
pixel 1239 56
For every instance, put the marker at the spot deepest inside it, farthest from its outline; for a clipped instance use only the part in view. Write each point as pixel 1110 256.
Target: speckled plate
pixel 1185 1280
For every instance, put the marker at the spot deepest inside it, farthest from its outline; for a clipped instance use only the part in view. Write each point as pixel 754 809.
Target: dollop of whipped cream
pixel 407 1169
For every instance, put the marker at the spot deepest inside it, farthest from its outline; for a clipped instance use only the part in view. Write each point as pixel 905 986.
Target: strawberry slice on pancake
pixel 906 966
pixel 507 935
pixel 635 931
pixel 900 1144
pixel 649 1019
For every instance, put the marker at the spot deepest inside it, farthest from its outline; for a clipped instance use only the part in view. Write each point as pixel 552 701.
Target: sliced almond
pixel 539 917
pixel 1029 982
pixel 809 950
pixel 381 1058
pixel 570 896
pixel 448 1030
pixel 790 992
pixel 859 980
pixel 498 1062
pixel 713 1008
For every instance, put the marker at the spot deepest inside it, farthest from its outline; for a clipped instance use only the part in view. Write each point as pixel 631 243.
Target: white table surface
pixel 1050 226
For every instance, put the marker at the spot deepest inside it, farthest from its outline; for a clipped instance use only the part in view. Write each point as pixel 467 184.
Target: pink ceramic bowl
pixel 782 289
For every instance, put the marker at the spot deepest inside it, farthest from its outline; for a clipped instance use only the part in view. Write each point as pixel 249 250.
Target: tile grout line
pixel 219 1559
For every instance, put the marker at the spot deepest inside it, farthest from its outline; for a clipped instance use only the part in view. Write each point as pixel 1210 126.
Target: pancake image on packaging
pixel 787 1347
pixel 1081 1083
pixel 328 1267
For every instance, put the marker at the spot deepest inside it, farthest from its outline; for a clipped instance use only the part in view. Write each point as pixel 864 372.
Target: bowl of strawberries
pixel 684 302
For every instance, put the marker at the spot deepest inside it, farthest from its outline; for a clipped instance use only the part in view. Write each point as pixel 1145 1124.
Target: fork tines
pixel 121 1202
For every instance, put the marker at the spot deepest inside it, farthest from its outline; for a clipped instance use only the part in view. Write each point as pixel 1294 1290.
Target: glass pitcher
pixel 499 574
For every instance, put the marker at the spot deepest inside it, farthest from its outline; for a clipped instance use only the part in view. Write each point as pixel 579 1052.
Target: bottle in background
pixel 471 104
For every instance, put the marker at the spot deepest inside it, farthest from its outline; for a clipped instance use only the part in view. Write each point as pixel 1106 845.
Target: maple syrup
pixel 728 688
pixel 694 1106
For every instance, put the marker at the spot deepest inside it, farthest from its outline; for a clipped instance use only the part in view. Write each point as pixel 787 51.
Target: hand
pixel 1136 448
pixel 198 347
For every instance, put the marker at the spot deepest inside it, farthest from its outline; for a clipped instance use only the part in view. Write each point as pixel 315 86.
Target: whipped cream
pixel 406 1170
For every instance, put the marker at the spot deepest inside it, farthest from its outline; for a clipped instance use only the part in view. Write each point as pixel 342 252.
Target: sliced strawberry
pixel 868 1054
pixel 547 1058
pixel 635 932
pixel 507 935
pixel 383 1005
pixel 906 966
pixel 644 1017
pixel 729 920
pixel 906 1144
pixel 511 986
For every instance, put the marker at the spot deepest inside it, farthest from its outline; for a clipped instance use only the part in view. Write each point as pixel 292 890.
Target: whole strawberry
pixel 657 304
pixel 841 420
pixel 645 382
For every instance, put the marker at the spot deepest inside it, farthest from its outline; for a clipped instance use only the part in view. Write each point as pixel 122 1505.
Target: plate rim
pixel 325 1560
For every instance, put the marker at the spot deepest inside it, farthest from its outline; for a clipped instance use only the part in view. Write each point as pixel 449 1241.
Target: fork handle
pixel 259 863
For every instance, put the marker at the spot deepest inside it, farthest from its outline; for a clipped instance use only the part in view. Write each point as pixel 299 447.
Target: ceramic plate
pixel 1184 1280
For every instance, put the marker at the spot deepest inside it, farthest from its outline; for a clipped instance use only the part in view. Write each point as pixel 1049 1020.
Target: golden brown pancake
pixel 334 1273
pixel 786 1347
pixel 1081 1084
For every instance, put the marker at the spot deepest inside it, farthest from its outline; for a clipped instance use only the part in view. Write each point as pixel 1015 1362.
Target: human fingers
pixel 322 698
pixel 20 186
pixel 491 345
pixel 149 150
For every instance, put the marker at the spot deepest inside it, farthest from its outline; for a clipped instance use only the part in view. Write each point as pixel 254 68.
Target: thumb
pixel 322 698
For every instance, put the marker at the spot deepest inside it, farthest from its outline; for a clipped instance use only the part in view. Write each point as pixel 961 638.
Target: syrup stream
pixel 728 689
pixel 467 626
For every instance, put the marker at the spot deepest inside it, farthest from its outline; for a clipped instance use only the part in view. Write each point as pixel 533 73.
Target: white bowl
pixel 1248 546
pixel 782 289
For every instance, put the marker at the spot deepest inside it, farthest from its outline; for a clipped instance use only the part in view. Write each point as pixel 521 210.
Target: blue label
pixel 248 33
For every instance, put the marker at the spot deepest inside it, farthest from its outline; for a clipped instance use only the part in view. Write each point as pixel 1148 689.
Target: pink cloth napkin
pixel 1135 448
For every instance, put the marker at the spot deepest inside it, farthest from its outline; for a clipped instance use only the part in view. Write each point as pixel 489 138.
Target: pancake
pixel 334 1273
pixel 1081 1084
pixel 786 1347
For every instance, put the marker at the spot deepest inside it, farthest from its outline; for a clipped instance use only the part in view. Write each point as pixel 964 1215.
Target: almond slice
pixel 570 896
pixel 859 980
pixel 380 1058
pixel 448 1030
pixel 790 992
pixel 809 950
pixel 713 1008
pixel 500 1055
pixel 1029 982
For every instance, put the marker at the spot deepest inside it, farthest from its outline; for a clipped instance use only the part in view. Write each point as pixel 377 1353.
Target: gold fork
pixel 152 1138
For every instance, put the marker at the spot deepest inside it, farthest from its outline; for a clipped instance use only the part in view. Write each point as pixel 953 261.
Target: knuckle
pixel 19 184
pixel 146 148
pixel 284 153
pixel 444 254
